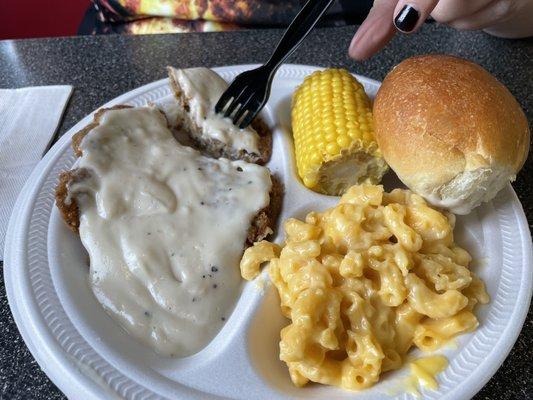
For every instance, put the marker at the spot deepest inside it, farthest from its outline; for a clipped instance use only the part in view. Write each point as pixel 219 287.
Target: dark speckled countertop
pixel 101 68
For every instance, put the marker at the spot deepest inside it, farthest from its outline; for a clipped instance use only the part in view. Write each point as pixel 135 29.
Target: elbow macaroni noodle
pixel 365 281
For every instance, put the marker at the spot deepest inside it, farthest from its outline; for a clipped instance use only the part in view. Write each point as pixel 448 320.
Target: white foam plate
pixel 88 356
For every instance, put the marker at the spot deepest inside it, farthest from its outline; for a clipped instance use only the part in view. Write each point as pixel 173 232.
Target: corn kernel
pixel 343 141
pixel 332 148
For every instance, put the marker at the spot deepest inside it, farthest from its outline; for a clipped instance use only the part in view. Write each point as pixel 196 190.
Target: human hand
pixel 511 18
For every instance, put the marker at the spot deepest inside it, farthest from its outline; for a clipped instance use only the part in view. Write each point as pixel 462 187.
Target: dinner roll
pixel 450 130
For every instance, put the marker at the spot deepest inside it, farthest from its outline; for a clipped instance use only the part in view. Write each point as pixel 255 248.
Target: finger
pixel 411 14
pixel 375 31
pixel 517 24
pixel 495 12
pixel 449 10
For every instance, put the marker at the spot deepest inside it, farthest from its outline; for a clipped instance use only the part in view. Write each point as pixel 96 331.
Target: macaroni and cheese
pixel 365 281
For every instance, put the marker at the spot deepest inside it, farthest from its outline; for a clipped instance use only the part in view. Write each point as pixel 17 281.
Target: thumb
pixel 409 15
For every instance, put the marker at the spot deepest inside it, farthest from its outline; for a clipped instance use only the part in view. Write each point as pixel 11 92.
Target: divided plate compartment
pixel 88 355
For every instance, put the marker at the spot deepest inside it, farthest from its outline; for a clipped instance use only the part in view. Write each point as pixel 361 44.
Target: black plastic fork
pixel 249 91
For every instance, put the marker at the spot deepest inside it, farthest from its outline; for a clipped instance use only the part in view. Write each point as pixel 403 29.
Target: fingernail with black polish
pixel 406 19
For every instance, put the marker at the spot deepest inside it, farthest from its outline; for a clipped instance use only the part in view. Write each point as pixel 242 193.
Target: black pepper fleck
pixel 249 182
pixel 215 286
pixel 199 169
pixel 147 313
pixel 148 233
pixel 239 169
pixel 222 319
pixel 202 203
pixel 203 276
pixel 172 254
pixel 214 269
pixel 229 189
pixel 194 299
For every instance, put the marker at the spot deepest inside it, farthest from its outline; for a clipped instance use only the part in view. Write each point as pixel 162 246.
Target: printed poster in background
pixel 171 16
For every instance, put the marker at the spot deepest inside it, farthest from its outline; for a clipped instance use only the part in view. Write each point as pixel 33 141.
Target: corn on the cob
pixel 333 133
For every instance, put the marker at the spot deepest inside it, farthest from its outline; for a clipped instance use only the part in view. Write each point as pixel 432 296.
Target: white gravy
pixel 203 87
pixel 165 228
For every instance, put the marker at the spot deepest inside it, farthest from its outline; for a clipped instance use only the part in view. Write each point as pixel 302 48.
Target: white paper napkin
pixel 29 118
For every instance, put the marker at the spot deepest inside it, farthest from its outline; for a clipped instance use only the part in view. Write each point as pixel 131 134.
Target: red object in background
pixel 20 19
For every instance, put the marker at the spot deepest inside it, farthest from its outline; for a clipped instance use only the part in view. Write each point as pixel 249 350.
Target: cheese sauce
pixel 203 87
pixel 422 374
pixel 165 228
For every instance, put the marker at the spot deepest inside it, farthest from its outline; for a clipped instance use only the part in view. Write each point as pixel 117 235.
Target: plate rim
pixel 64 367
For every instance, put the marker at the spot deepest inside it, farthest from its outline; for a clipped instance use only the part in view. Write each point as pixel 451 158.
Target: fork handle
pixel 297 31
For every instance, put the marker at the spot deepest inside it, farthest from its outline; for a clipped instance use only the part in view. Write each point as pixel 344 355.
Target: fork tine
pixel 252 113
pixel 234 90
pixel 233 105
pixel 238 115
pixel 237 101
pixel 230 93
pixel 243 108
pixel 224 99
